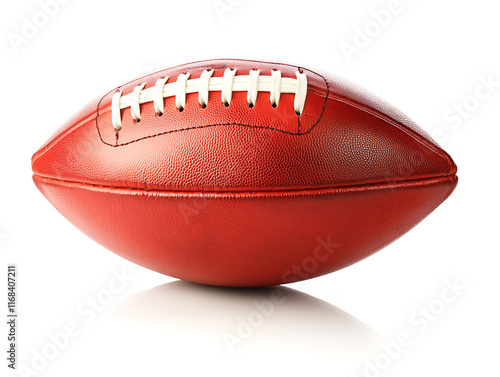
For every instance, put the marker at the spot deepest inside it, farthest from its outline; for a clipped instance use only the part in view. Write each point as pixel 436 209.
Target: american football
pixel 242 173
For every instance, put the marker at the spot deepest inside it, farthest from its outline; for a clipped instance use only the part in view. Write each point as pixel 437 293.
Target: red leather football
pixel 242 173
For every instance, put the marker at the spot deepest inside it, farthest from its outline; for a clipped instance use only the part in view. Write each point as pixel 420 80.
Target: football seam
pixel 368 186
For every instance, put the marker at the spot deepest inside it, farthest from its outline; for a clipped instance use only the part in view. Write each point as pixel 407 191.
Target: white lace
pixel 229 83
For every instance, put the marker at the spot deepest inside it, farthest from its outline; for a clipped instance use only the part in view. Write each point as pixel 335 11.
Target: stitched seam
pixel 216 124
pixel 407 130
pixel 372 185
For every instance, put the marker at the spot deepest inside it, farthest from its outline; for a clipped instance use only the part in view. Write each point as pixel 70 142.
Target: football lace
pixel 229 83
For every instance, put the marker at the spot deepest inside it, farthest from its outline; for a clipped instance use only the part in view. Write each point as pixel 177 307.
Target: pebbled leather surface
pixel 258 185
pixel 247 239
pixel 341 143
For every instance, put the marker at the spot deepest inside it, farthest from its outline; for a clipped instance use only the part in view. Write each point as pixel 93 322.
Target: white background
pixel 427 57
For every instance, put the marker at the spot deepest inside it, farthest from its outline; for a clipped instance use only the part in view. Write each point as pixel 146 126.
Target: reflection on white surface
pixel 203 330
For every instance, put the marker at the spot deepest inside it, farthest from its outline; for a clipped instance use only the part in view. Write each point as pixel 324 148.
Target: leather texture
pixel 238 196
